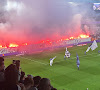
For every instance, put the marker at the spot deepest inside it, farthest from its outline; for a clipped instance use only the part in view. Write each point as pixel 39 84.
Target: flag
pixel 54 57
pixel 78 62
pixel 94 45
pixel 88 49
pixel 51 60
pixel 66 48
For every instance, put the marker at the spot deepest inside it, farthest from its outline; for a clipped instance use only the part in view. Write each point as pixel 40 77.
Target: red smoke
pixel 49 42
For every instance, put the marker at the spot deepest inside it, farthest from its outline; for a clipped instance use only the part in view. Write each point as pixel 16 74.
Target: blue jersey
pixel 78 62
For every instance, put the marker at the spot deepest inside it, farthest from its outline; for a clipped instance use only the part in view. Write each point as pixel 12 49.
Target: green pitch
pixel 64 74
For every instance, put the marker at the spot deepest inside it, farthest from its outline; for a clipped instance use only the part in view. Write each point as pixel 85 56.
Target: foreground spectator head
pixel 2 64
pixel 30 76
pixel 11 78
pixel 11 74
pixel 36 80
pixel 14 62
pixel 18 64
pixel 28 83
pixel 44 84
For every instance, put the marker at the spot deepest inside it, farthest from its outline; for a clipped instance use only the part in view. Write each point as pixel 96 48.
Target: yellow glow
pixel 83 36
pixel 71 38
pixel 13 45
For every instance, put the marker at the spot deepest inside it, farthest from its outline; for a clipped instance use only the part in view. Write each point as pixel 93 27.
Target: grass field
pixel 64 74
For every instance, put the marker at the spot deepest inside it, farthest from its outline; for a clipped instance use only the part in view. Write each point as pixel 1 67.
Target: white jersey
pixel 67 53
pixel 51 60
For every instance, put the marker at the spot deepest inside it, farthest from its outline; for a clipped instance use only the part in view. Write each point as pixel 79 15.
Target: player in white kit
pixel 51 60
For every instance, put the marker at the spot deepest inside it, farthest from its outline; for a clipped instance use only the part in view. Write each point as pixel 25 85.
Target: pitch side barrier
pixel 60 46
pixel 48 48
pixel 76 44
pixel 9 54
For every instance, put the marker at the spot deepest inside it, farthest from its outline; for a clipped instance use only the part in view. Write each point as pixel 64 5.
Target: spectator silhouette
pixel 28 83
pixel 2 69
pixel 44 84
pixel 53 89
pixel 11 78
pixel 18 68
pixel 22 78
pixel 36 80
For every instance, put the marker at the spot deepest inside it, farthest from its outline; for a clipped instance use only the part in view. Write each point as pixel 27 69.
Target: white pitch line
pixel 59 61
pixel 34 61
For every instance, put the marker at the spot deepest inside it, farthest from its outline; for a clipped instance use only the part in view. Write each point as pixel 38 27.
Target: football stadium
pixel 49 45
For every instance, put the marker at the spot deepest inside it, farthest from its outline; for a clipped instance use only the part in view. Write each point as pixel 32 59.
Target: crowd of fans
pixel 13 78
pixel 7 50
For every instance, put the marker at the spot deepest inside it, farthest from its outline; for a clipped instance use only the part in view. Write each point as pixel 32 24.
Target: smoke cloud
pixel 30 21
